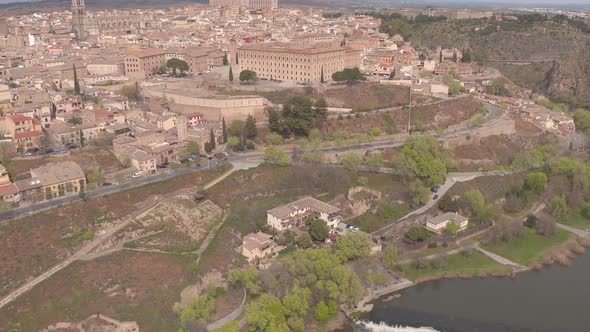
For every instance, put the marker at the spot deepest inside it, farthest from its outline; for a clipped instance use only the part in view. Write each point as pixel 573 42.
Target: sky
pixel 487 2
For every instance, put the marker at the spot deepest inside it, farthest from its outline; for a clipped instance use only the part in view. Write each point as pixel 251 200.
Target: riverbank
pixel 561 255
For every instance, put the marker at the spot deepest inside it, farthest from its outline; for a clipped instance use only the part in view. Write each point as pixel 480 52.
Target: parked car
pixel 435 197
pixel 136 175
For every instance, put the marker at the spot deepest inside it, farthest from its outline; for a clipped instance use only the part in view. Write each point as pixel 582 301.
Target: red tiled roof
pixel 19 117
pixel 27 134
pixel 8 189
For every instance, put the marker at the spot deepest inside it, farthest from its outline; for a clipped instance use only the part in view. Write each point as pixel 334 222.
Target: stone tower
pixel 182 127
pixel 79 18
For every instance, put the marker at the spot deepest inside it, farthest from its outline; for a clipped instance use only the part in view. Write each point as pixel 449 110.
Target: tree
pixel 451 228
pixel 231 74
pixel 304 241
pixel 392 74
pixel 545 227
pixel 225 60
pixel 440 56
pixel 274 139
pixel 199 309
pixel 82 140
pixel 582 120
pixel 76 83
pixel 266 313
pixel 421 158
pixel 236 128
pixel 131 91
pixel 297 305
pixel 351 161
pixel 536 181
pixel 248 76
pixel 233 326
pixel 250 130
pixel 276 157
pixel 224 130
pixel 558 207
pixel 248 278
pixel 322 312
pixel 348 75
pixel 418 234
pixel 212 139
pixel 353 245
pixel 318 229
pixel 390 257
pixel 237 60
pixel 176 65
pixel 322 76
pixel 96 176
pixel 233 141
pixel 75 121
pixel 498 86
pixel 419 192
pixel 192 148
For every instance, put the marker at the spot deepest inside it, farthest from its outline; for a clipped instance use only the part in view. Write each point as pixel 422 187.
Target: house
pixel 439 223
pixel 8 190
pixel 296 214
pixel 51 181
pixel 25 131
pixel 257 245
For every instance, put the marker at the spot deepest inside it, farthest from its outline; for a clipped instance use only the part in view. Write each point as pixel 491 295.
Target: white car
pixel 136 175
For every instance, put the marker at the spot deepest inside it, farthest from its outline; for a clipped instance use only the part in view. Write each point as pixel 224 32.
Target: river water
pixel 555 298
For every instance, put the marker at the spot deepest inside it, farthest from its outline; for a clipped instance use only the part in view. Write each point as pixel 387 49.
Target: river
pixel 555 298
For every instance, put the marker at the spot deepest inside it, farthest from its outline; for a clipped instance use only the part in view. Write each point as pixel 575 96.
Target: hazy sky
pixel 524 2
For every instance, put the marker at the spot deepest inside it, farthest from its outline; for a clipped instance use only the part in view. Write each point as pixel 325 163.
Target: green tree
pixel 299 116
pixel 231 74
pixel 82 139
pixel 498 86
pixel 390 257
pixel 322 312
pixel 199 309
pixel 276 157
pixel 266 313
pixel 318 229
pixel 177 65
pixel 236 128
pixel 237 60
pixel 224 130
pixel 250 130
pixel 274 120
pixel 248 278
pixel 76 83
pixel 558 207
pixel 96 176
pixel 351 161
pixel 536 181
pixel 421 158
pixel 248 76
pixel 212 139
pixel 418 234
pixel 225 60
pixel 322 80
pixel 348 75
pixel 582 120
pixel 233 326
pixel 297 305
pixel 353 245
pixel 304 241
pixel 452 228
pixel 233 141
pixel 274 139
pixel 419 192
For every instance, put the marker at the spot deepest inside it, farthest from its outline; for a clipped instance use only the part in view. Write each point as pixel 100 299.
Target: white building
pixel 296 214
pixel 439 223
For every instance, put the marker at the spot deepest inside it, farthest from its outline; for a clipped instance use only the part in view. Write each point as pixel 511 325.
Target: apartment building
pixel 144 63
pixel 25 131
pixel 289 62
pixel 51 181
pixel 296 214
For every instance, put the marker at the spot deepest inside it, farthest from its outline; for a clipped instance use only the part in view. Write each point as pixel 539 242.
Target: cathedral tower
pixel 79 18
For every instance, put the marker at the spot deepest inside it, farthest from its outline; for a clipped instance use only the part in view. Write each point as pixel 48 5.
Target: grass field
pixel 576 220
pixel 531 248
pixel 456 265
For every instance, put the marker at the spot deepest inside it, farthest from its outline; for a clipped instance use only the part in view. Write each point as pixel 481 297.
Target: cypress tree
pixel 231 74
pixel 225 61
pixel 224 129
pixel 322 76
pixel 237 61
pixel 212 140
pixel 76 83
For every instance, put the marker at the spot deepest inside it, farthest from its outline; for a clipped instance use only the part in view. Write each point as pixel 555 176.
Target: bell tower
pixel 79 18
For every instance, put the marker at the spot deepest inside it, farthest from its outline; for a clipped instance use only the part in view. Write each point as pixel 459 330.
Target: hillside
pixel 559 48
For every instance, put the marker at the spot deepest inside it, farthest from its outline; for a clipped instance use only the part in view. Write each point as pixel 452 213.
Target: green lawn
pixel 576 220
pixel 384 215
pixel 530 248
pixel 457 264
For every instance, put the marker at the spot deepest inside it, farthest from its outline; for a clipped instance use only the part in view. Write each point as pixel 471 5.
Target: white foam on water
pixel 383 327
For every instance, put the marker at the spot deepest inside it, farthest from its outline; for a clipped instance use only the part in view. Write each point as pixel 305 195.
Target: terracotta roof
pixel 148 53
pixel 284 211
pixel 8 189
pixel 28 134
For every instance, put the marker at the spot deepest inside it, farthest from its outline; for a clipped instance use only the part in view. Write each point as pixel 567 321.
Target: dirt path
pixel 103 236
